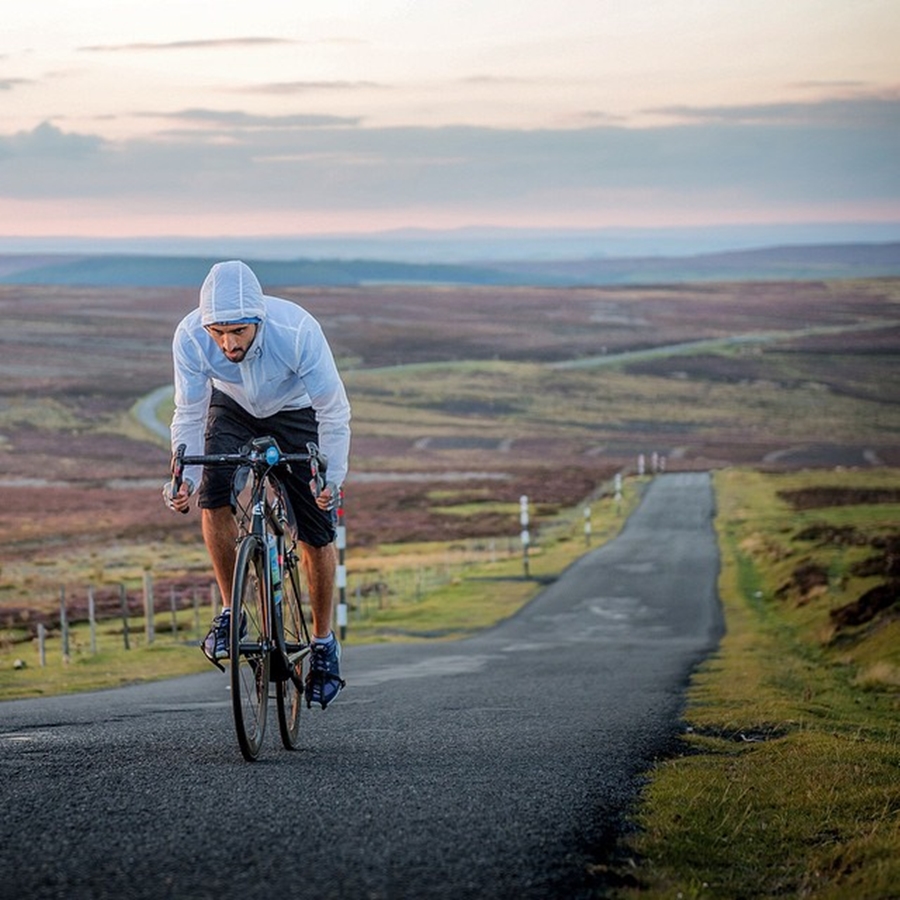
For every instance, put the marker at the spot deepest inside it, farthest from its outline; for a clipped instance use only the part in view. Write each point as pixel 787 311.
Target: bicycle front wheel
pixel 289 691
pixel 250 647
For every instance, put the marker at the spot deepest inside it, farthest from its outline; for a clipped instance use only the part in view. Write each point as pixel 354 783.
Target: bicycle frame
pixel 262 520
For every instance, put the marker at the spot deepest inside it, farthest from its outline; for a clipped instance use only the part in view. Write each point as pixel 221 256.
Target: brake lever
pixel 318 465
pixel 178 470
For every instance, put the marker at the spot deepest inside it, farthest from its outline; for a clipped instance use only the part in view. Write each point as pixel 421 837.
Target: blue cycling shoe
pixel 216 644
pixel 323 681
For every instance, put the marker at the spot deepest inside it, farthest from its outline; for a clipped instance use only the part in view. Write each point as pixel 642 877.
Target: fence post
pixel 123 600
pixel 92 618
pixel 42 644
pixel 64 624
pixel 526 538
pixel 174 614
pixel 148 607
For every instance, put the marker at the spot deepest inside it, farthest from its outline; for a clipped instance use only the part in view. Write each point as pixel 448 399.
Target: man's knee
pixel 326 550
pixel 325 555
pixel 216 514
pixel 216 522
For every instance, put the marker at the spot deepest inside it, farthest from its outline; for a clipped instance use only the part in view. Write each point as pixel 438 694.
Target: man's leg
pixel 324 682
pixel 220 535
pixel 319 564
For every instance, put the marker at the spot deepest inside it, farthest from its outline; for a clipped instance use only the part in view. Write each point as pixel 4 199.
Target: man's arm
pixel 329 400
pixel 192 393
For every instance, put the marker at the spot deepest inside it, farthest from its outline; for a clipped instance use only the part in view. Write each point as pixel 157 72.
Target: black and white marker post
pixel 341 573
pixel 526 539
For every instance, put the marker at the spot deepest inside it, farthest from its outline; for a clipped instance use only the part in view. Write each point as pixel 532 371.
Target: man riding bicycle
pixel 248 365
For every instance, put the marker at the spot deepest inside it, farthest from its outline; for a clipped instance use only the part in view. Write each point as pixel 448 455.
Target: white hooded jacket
pixel 289 366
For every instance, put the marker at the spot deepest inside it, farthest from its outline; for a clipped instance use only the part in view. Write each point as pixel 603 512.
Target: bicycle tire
pixel 289 692
pixel 250 646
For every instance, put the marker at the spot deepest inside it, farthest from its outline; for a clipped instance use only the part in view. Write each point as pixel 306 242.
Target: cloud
pixel 492 80
pixel 199 44
pixel 827 85
pixel 825 155
pixel 238 120
pixel 47 142
pixel 7 84
pixel 305 87
pixel 871 110
pixel 598 117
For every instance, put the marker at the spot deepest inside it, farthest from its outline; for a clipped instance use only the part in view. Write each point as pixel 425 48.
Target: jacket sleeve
pixel 328 397
pixel 192 392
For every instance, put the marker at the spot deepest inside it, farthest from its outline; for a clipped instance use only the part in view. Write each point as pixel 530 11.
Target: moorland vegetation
pixel 466 398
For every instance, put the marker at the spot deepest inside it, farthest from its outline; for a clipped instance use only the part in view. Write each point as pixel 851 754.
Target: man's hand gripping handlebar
pixel 177 492
pixel 325 492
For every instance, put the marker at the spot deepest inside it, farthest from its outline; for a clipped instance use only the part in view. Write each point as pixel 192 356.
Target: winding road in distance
pixel 501 766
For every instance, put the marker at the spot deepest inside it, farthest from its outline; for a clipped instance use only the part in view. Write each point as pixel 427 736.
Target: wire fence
pixel 90 619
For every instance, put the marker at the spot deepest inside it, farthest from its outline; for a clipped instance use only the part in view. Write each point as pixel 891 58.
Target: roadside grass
pixel 169 655
pixel 470 598
pixel 785 782
pixel 415 592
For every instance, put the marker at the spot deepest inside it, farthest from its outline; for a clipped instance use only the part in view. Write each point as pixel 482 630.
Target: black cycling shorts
pixel 229 427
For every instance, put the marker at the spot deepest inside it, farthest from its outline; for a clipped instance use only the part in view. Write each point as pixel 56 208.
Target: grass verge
pixel 787 780
pixel 168 655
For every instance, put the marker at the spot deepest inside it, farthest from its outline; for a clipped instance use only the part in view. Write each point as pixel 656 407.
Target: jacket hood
pixel 231 293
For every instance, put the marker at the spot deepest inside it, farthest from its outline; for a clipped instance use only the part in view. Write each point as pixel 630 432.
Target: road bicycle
pixel 270 639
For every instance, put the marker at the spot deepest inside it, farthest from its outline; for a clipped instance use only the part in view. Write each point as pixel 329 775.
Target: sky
pixel 126 119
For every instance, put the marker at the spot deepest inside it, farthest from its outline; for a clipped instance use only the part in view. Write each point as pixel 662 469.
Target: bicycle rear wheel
pixel 289 691
pixel 250 647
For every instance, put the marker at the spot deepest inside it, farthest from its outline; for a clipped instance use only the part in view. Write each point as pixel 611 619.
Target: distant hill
pixel 806 262
pixel 803 263
pixel 175 271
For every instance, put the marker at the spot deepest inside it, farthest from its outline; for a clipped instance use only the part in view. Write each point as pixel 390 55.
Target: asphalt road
pixel 503 766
